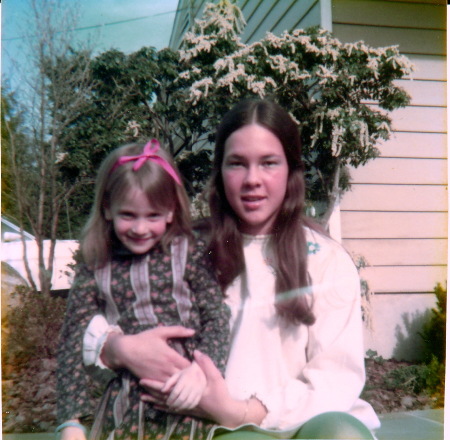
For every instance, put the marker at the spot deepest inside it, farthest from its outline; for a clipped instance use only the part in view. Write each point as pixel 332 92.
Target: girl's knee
pixel 334 425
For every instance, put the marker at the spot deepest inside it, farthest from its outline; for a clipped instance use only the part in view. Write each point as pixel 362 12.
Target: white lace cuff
pixel 95 338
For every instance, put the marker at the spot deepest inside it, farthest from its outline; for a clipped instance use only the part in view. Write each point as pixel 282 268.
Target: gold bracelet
pixel 247 402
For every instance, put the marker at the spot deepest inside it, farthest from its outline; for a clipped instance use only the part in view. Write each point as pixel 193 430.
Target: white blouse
pixel 298 372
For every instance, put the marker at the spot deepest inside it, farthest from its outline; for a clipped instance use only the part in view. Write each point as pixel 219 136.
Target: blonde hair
pixel 113 183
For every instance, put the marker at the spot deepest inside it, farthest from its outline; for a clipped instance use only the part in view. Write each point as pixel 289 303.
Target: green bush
pixel 31 334
pixel 433 332
pixel 414 379
pixel 428 377
pixel 33 327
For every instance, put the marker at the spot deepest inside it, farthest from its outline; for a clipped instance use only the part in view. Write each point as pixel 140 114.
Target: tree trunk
pixel 333 197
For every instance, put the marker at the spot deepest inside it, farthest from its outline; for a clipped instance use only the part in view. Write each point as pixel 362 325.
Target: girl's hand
pixel 215 404
pixel 72 433
pixel 185 387
pixel 146 354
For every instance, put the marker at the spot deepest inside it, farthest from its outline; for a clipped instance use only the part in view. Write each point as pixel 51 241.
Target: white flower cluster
pixel 200 43
pixel 336 140
pixel 200 89
pixel 326 74
pixel 327 80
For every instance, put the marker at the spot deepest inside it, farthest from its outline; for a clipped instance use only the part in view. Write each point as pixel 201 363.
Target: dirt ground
pixel 384 399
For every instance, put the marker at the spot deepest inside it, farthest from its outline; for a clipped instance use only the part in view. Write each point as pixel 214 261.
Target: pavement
pixel 412 425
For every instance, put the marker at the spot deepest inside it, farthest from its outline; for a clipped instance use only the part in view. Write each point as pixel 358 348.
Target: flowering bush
pixel 339 93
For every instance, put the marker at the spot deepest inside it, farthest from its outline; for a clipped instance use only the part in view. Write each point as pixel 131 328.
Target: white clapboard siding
pixel 277 16
pixel 396 225
pixel 400 252
pixel 402 171
pixel 420 119
pixel 411 41
pixel 424 119
pixel 432 93
pixel 404 279
pixel 428 67
pixel 393 198
pixel 412 144
pixel 396 212
pixel 392 14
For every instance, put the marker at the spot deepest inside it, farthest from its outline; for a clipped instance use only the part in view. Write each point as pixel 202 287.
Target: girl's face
pixel 137 224
pixel 255 173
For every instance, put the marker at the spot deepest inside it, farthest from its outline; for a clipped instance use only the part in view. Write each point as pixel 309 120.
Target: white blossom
pixel 333 113
pixel 185 75
pixel 326 74
pixel 336 140
pixel 134 127
pixel 373 65
pixel 363 134
pixel 196 92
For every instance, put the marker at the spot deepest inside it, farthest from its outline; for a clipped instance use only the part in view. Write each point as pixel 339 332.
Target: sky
pixel 126 25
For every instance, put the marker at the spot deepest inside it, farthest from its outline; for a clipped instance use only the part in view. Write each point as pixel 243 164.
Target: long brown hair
pixel 112 185
pixel 288 236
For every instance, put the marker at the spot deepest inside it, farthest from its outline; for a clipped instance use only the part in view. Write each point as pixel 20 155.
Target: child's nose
pixel 140 227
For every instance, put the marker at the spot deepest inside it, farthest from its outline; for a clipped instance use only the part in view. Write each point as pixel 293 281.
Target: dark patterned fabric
pixel 208 315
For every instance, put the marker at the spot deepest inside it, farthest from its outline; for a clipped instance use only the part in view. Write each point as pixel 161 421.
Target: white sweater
pixel 298 372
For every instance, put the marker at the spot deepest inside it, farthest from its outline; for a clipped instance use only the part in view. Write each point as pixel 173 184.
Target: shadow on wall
pixel 410 345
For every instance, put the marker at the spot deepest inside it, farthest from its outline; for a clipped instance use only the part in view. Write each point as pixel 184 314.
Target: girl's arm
pixel 146 354
pixel 216 403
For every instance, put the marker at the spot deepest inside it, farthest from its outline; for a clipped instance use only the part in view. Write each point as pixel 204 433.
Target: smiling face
pixel 138 224
pixel 255 173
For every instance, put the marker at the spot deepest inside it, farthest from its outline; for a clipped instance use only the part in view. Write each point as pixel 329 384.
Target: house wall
pixel 395 216
pixel 396 213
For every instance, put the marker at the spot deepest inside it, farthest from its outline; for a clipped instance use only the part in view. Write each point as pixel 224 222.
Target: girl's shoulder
pixel 194 245
pixel 84 276
pixel 321 247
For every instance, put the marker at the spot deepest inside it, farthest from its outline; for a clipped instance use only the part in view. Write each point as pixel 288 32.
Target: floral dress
pixel 136 293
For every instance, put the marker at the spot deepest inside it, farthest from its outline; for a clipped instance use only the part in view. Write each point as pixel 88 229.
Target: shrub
pixel 28 361
pixel 428 377
pixel 414 379
pixel 33 327
pixel 433 332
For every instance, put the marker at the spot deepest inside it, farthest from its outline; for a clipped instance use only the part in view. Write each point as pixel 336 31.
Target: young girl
pixel 142 270
pixel 296 364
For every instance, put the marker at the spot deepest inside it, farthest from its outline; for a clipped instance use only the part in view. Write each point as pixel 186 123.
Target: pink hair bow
pixel 149 153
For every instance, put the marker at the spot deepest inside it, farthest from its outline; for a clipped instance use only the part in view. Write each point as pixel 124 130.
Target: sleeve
pixel 334 374
pixel 94 339
pixel 213 338
pixel 73 382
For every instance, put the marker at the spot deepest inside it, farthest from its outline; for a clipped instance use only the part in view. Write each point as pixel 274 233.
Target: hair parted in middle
pixel 114 182
pixel 288 239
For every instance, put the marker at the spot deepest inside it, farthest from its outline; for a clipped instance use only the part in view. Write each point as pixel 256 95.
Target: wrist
pixel 112 352
pixel 234 413
pixel 73 423
pixel 241 412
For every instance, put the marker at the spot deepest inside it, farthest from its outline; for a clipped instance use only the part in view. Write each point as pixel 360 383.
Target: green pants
pixel 331 425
